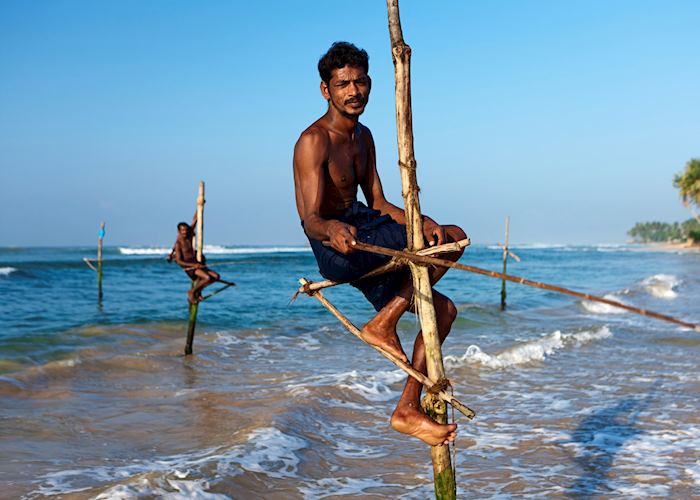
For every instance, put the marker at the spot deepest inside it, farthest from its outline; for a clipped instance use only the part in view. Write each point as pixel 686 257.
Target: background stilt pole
pixel 505 260
pixel 100 237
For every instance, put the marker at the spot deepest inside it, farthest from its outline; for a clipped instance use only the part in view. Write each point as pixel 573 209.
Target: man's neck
pixel 339 123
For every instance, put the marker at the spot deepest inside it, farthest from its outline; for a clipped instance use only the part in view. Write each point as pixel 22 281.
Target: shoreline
pixel 668 247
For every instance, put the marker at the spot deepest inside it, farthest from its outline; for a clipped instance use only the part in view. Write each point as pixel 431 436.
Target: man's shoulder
pixel 366 132
pixel 315 140
pixel 183 243
pixel 316 133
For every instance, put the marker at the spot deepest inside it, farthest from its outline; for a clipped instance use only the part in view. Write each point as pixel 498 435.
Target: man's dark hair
pixel 341 54
pixel 181 224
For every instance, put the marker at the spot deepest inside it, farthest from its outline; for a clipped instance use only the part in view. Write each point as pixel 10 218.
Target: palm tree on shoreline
pixel 688 184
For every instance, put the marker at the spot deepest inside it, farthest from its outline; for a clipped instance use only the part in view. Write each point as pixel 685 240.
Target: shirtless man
pixel 186 258
pixel 332 158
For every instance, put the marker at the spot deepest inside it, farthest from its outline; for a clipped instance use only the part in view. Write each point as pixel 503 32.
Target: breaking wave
pixel 602 308
pixel 527 352
pixel 214 249
pixel 5 271
pixel 662 286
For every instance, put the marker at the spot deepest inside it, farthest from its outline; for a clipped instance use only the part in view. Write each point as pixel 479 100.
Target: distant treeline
pixel 646 232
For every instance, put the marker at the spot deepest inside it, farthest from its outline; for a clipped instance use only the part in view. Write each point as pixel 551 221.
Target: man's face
pixel 348 90
pixel 184 231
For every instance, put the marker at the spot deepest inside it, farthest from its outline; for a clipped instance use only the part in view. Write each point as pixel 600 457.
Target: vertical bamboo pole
pixel 444 481
pixel 100 237
pixel 200 222
pixel 505 259
pixel 192 323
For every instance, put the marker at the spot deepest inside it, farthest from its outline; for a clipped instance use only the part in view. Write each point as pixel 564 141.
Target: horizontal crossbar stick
pixel 214 263
pixel 423 379
pixel 393 264
pixel 210 295
pixel 516 279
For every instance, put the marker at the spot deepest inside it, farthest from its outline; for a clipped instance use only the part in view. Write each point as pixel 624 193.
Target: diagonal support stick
pixel 442 394
pixel 227 284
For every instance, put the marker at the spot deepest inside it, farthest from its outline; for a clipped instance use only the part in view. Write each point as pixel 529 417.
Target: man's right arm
pixel 310 155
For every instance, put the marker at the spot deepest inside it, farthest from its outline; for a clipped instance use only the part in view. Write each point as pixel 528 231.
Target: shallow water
pixel 572 399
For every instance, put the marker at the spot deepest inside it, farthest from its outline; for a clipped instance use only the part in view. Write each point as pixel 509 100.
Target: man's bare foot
pixel 387 339
pixel 191 297
pixel 414 422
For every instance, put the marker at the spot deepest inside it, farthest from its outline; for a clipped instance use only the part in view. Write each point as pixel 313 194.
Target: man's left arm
pixel 374 193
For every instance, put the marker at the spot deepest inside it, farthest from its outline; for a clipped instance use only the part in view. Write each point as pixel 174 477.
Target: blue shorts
pixel 373 228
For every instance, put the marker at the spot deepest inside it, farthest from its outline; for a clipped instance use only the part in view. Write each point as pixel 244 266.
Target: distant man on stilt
pixel 332 158
pixel 184 254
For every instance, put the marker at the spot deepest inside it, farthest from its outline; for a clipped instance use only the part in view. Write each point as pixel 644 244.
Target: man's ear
pixel 324 91
pixel 369 80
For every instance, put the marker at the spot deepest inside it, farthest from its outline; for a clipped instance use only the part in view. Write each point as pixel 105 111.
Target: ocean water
pixel 573 399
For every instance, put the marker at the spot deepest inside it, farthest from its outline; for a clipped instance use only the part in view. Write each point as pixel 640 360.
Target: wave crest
pixel 5 271
pixel 601 307
pixel 527 352
pixel 213 250
pixel 662 286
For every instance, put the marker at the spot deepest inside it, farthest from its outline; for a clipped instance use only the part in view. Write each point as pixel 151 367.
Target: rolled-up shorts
pixel 373 228
pixel 192 274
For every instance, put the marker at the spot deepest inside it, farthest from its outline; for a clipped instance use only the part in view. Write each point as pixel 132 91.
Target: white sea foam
pixel 652 457
pixel 5 271
pixel 343 486
pixel 144 251
pixel 374 386
pixel 662 286
pixel 74 480
pixel 214 250
pixel 267 450
pixel 537 246
pixel 602 308
pixel 612 247
pixel 527 352
pixel 168 489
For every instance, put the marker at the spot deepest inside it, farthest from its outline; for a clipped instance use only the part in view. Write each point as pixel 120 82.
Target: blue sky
pixel 571 117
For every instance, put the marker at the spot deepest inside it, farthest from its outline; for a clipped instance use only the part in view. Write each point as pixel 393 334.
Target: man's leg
pixel 202 280
pixel 381 330
pixel 408 416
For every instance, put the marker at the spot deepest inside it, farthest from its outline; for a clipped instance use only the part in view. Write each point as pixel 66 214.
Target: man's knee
pixel 451 311
pixel 455 233
pixel 447 309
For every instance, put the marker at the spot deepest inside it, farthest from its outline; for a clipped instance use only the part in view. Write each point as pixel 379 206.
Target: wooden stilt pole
pixel 443 475
pixel 192 324
pixel 100 237
pixel 505 260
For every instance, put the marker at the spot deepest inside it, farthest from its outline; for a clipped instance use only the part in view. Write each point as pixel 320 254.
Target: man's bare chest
pixel 186 249
pixel 347 165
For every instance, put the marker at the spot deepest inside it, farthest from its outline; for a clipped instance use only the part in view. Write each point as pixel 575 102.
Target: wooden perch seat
pixel 393 264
